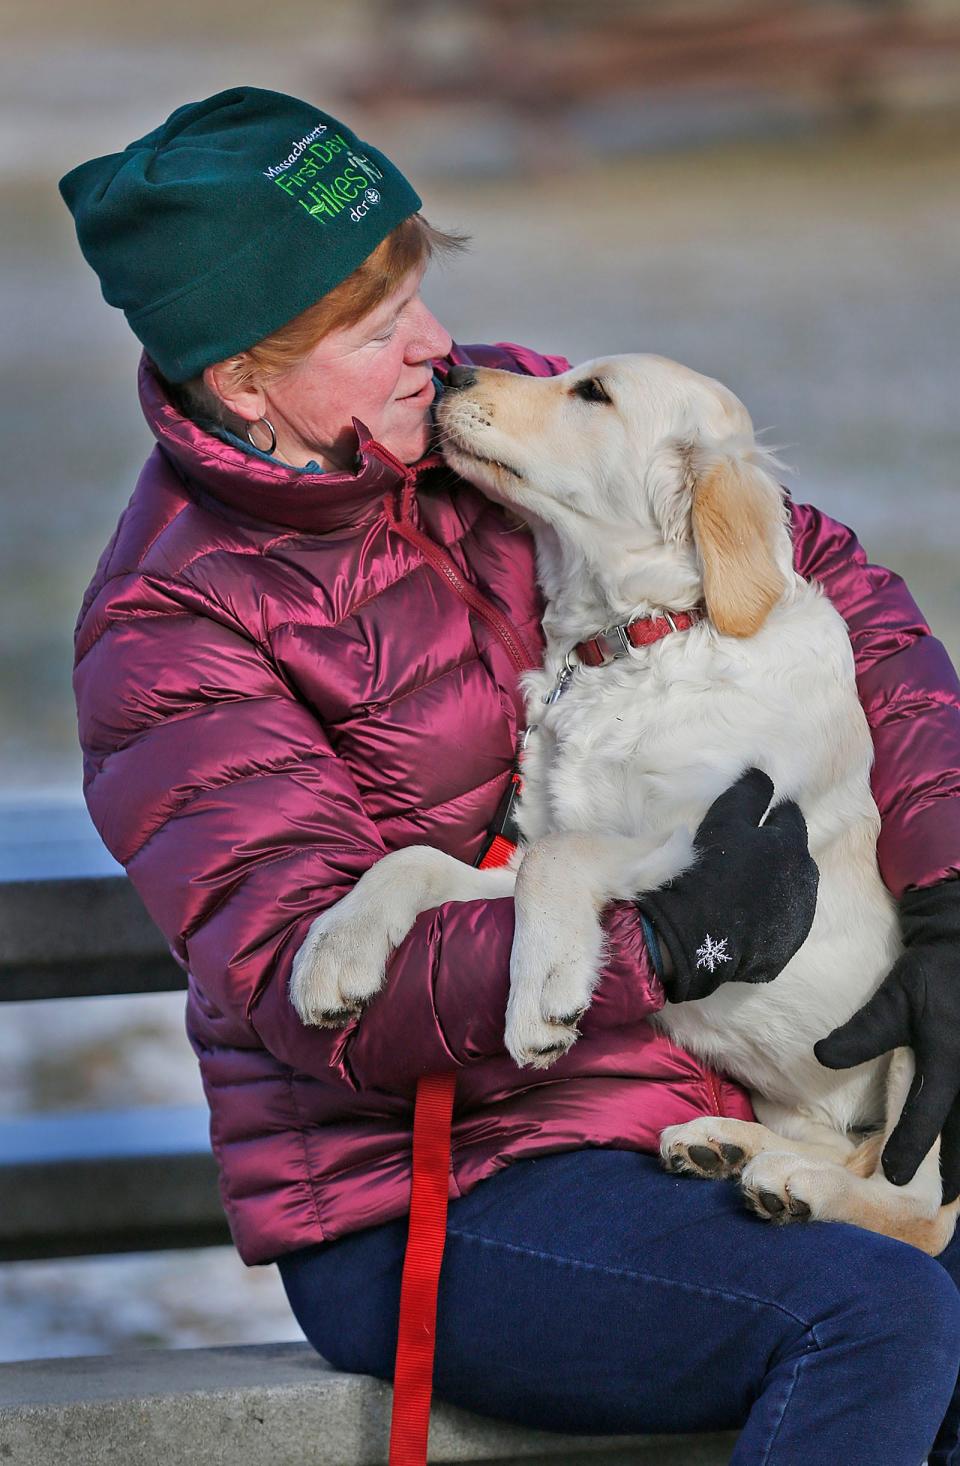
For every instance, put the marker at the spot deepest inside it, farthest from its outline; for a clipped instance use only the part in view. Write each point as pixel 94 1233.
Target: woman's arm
pixel 218 790
pixel 911 697
pixel 910 694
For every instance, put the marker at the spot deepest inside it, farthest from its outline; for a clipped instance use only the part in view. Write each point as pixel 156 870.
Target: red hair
pixel 411 244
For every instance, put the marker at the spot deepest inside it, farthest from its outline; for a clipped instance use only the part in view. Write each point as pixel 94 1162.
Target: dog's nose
pixel 459 377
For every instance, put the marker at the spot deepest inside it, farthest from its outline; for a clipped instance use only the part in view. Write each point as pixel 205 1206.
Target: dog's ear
pixel 738 513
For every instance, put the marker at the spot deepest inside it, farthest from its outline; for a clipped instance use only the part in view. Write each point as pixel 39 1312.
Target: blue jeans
pixel 593 1292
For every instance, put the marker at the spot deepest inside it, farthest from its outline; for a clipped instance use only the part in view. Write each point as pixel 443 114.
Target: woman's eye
pixel 591 390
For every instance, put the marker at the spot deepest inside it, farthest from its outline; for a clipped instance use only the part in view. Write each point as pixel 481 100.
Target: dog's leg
pixel 563 884
pixel 715 1147
pixel 787 1187
pixel 342 961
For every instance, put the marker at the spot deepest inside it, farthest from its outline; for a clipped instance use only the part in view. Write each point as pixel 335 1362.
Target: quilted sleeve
pixel 508 356
pixel 910 694
pixel 217 789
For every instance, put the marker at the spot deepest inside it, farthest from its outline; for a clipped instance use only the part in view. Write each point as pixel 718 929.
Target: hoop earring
pixel 269 426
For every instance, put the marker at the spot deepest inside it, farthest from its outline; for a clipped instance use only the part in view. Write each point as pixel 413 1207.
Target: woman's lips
pixel 424 394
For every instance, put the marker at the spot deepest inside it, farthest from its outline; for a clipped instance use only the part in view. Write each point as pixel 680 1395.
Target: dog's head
pixel 630 453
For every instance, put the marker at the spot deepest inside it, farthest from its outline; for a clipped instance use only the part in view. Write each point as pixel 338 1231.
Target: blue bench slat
pixel 133 1180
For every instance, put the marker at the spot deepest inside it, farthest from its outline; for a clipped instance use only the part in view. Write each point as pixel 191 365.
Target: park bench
pixel 80 1184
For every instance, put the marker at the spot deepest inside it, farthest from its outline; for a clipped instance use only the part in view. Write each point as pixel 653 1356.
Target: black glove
pixel 745 907
pixel 917 1004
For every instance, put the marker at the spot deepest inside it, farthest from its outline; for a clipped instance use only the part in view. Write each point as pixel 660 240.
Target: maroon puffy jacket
pixel 280 676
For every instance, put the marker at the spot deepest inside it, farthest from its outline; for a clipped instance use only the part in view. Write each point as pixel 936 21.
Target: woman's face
pixel 377 370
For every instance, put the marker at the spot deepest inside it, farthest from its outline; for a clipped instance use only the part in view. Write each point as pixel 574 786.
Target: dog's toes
pixel 334 1017
pixel 543 1058
pixel 325 998
pixel 771 1203
pixel 691 1149
pixel 543 1055
pixel 567 1020
pixel 538 1044
pixel 705 1159
pixel 696 1160
pixel 336 976
pixel 780 1209
pixel 565 987
pixel 771 1185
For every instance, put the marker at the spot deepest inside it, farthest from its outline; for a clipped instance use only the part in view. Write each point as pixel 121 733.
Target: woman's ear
pixel 232 382
pixel 738 513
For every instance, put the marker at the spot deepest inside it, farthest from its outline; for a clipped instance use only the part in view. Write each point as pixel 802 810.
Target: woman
pixel 301 648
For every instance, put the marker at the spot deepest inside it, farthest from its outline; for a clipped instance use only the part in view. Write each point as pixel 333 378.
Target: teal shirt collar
pixel 235 442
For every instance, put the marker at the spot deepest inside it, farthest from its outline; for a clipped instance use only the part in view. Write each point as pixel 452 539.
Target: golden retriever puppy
pixel 647 494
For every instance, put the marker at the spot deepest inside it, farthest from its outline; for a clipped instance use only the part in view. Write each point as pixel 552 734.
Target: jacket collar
pixel 272 492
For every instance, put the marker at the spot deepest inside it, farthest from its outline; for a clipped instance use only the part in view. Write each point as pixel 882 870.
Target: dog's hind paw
pixel 711 1148
pixel 783 1188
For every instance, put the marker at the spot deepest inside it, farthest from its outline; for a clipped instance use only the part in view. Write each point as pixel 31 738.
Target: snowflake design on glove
pixel 712 953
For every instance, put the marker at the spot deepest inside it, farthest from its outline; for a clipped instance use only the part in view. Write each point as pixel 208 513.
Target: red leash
pixel 417 1334
pixel 417 1331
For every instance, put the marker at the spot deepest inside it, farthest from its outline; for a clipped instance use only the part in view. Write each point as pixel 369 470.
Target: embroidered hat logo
pixel 325 197
pixel 295 151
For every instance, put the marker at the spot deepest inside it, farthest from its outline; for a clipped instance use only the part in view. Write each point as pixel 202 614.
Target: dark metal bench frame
pixel 103 1182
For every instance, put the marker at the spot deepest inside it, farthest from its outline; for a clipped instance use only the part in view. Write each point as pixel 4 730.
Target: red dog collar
pixel 616 641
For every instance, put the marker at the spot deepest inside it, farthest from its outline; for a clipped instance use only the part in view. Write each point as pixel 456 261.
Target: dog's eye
pixel 591 389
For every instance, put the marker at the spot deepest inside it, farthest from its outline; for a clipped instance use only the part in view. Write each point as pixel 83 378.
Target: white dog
pixel 646 494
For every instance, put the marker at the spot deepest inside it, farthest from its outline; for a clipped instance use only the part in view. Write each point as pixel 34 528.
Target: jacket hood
pixel 274 492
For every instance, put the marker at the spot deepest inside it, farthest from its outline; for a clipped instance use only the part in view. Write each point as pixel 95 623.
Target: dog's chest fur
pixel 644 745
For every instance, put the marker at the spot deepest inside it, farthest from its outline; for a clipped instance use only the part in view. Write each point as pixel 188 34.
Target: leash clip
pixel 563 679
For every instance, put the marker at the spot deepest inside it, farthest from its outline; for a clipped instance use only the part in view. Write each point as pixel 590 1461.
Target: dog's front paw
pixel 784 1188
pixel 556 958
pixel 339 968
pixel 543 1012
pixel 710 1147
pixel 538 1042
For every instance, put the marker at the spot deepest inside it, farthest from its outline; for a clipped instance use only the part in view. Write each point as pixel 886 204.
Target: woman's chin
pixel 409 443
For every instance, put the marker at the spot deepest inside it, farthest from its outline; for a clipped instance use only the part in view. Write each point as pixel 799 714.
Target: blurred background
pixel 768 191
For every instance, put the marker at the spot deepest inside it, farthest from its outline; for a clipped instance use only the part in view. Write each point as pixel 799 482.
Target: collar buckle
pixel 626 645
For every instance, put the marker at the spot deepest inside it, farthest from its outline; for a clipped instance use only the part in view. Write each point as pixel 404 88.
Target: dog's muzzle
pixel 459 377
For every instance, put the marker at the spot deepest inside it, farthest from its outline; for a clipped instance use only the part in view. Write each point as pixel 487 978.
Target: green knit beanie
pixel 230 219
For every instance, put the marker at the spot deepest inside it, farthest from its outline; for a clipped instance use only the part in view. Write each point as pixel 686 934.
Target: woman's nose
pixel 428 338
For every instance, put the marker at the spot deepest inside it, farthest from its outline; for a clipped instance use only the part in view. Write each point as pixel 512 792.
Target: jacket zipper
pixel 440 561
pixel 713 1087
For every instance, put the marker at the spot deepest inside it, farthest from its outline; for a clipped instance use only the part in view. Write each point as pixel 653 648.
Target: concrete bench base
pixel 267 1405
